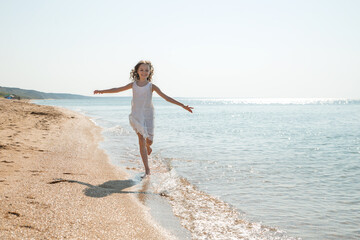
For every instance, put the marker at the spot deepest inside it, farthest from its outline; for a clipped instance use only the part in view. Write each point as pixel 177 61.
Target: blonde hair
pixel 134 76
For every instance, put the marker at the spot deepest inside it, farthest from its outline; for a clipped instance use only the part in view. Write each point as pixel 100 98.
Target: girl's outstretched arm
pixel 114 90
pixel 169 99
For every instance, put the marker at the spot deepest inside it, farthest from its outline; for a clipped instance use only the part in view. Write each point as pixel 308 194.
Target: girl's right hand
pixel 98 92
pixel 188 108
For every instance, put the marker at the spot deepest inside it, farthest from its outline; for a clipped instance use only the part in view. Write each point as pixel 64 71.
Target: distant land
pixel 32 94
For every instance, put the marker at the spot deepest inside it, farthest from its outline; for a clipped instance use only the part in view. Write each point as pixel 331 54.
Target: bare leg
pixel 143 153
pixel 148 144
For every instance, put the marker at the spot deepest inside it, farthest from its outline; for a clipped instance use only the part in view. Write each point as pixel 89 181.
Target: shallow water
pixel 246 168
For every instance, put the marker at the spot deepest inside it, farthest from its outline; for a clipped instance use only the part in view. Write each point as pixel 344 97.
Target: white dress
pixel 142 110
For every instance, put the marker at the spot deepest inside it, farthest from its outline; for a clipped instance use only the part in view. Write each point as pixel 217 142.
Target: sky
pixel 234 49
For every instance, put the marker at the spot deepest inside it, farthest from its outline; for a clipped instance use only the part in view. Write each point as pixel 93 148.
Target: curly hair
pixel 134 76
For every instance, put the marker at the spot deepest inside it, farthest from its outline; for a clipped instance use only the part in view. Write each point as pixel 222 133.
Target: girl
pixel 142 109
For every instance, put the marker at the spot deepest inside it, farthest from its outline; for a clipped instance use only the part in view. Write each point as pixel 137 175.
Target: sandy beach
pixel 55 182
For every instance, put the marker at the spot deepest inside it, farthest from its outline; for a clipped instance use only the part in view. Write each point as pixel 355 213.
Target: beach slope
pixel 56 183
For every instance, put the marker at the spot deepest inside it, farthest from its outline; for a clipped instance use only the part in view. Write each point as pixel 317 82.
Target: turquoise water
pixel 246 168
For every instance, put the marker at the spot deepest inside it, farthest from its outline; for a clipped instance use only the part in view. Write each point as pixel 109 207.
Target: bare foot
pixel 148 144
pixel 147 174
pixel 149 149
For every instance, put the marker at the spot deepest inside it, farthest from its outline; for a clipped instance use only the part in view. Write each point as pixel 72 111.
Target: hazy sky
pixel 199 48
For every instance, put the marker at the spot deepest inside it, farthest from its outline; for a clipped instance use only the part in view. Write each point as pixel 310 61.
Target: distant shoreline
pixel 33 94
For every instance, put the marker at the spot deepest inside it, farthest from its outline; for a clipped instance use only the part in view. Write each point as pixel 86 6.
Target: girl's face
pixel 144 71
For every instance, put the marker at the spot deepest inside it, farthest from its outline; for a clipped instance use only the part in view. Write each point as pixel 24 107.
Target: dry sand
pixel 55 183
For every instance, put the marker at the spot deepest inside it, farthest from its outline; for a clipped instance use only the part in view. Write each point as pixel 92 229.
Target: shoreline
pixel 55 181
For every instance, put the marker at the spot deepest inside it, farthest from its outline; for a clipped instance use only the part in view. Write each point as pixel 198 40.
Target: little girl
pixel 142 109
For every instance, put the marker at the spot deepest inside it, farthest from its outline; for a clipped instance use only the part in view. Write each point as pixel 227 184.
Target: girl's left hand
pixel 188 108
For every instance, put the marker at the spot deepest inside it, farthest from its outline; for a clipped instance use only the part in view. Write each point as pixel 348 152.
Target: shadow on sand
pixel 108 188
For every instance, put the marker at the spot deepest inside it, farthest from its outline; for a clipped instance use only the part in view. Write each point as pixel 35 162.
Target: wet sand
pixel 56 183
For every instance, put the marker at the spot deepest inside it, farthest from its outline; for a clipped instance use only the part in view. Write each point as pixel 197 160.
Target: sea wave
pixel 205 216
pixel 117 130
pixel 279 101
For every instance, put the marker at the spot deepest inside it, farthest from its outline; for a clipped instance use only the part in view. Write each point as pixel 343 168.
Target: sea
pixel 241 168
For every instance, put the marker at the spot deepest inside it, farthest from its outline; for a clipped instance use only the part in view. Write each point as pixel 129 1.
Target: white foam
pixel 117 130
pixel 205 216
